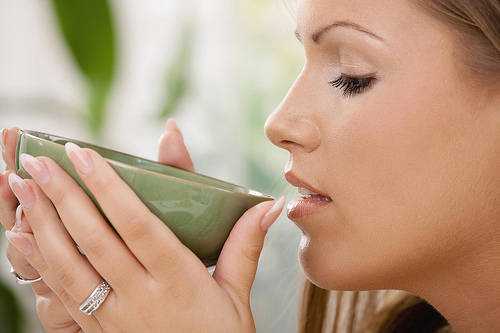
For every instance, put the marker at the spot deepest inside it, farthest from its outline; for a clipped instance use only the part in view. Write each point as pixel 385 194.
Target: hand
pixel 53 314
pixel 157 283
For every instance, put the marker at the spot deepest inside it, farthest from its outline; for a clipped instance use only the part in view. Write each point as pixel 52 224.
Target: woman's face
pixel 384 120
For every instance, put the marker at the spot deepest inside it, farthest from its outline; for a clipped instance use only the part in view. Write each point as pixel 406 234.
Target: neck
pixel 466 293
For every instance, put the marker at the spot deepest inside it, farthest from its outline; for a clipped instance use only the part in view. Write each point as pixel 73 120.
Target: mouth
pixel 309 201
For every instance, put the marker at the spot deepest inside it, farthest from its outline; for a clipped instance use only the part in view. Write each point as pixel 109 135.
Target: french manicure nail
pixel 22 191
pixel 21 224
pixel 79 157
pixel 36 168
pixel 19 242
pixel 272 214
pixel 19 214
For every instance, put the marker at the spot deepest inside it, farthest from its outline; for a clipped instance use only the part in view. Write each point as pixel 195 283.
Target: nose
pixel 291 126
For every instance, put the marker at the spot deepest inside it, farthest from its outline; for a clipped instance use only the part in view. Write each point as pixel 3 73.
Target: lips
pixel 310 201
pixel 304 206
pixel 302 185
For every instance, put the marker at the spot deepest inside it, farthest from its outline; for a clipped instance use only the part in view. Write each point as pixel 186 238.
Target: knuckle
pixel 169 260
pixel 41 307
pixel 16 258
pixel 45 305
pixel 63 296
pixel 183 298
pixel 94 245
pixel 59 196
pixel 62 194
pixel 52 313
pixel 103 182
pixel 63 274
pixel 40 265
pixel 135 227
pixel 251 253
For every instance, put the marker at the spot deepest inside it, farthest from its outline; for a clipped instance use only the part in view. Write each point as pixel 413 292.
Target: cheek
pixel 404 170
pixel 408 156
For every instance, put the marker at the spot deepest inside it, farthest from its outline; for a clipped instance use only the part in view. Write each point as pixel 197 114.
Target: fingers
pixel 22 267
pixel 171 148
pixel 19 261
pixel 58 250
pixel 8 202
pixel 50 292
pixel 60 211
pixel 21 225
pixel 139 228
pixel 237 264
pixel 9 140
pixel 53 315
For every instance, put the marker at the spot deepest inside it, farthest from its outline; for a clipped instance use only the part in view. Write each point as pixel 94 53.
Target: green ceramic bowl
pixel 200 210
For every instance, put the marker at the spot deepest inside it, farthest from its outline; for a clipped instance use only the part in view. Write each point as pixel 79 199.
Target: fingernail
pixel 35 168
pixel 22 191
pixel 272 214
pixel 79 157
pixel 21 224
pixel 171 125
pixel 19 242
pixel 19 213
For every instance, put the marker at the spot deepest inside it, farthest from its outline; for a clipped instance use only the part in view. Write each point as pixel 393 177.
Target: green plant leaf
pixel 88 31
pixel 11 314
pixel 178 73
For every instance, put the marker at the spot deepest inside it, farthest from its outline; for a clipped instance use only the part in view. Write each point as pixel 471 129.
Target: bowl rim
pixel 247 192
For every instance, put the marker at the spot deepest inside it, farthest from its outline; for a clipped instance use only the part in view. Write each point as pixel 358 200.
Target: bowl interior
pixel 146 164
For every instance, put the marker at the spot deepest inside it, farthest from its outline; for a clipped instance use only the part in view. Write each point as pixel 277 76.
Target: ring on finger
pixel 22 280
pixel 95 299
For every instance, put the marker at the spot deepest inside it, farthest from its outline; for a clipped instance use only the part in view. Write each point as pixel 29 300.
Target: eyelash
pixel 352 85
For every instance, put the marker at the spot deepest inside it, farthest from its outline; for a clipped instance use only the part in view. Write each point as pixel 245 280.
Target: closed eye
pixel 352 85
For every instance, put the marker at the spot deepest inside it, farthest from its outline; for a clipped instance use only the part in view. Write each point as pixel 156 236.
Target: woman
pixel 393 124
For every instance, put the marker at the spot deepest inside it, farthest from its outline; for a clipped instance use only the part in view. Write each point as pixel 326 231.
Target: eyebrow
pixel 316 36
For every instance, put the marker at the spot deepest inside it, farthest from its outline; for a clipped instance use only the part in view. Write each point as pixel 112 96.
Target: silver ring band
pixel 95 299
pixel 21 280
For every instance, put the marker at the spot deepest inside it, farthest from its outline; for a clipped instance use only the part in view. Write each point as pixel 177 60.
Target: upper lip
pixel 297 182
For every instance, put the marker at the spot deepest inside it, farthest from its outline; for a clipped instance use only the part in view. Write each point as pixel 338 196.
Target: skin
pixel 411 164
pixel 53 314
pixel 57 212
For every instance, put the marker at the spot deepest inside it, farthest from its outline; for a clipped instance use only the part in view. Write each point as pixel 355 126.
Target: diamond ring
pixel 95 299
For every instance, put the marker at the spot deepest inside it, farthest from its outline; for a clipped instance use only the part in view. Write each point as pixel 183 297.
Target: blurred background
pixel 112 71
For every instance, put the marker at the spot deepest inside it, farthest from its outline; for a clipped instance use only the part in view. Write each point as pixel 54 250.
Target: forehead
pixel 384 17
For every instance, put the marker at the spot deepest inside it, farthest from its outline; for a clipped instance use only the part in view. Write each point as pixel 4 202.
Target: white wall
pixel 40 89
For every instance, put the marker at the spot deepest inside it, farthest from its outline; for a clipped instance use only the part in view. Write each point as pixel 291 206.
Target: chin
pixel 329 271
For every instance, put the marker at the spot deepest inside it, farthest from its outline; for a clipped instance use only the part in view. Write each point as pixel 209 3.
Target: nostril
pixel 287 144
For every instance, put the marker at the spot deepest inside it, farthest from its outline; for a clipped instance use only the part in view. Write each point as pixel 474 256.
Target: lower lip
pixel 304 206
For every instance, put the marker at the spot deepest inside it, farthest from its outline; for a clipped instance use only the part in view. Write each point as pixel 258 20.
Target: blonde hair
pixel 377 311
pixel 477 27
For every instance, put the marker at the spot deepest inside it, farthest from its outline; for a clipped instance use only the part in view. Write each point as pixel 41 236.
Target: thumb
pixel 172 149
pixel 237 264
